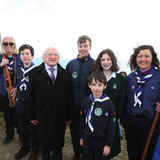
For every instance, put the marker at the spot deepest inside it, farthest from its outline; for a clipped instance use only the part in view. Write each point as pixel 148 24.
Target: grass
pixel 2 125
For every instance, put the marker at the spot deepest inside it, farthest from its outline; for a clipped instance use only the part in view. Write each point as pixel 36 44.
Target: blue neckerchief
pixel 10 65
pixel 23 85
pixel 89 115
pixel 141 82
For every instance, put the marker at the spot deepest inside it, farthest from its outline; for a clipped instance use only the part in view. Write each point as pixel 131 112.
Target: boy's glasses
pixel 6 44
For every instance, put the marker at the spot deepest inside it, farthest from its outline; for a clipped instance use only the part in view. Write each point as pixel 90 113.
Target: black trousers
pixel 74 129
pixel 9 116
pixel 93 148
pixel 137 131
pixel 28 132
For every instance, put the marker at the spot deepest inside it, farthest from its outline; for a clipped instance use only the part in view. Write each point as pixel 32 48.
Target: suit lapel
pixel 43 70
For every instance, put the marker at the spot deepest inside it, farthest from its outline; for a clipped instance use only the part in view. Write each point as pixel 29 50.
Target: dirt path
pixel 7 151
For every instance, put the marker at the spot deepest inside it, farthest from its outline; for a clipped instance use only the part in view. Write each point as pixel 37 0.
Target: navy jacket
pixel 104 123
pixel 18 64
pixel 79 70
pixel 22 94
pixel 150 95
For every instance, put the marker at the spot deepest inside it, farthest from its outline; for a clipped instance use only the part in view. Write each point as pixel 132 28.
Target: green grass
pixel 2 124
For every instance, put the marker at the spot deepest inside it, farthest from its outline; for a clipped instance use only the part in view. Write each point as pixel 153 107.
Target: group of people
pixel 89 95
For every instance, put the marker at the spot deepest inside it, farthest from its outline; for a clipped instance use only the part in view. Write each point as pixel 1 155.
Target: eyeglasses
pixel 6 44
pixel 51 54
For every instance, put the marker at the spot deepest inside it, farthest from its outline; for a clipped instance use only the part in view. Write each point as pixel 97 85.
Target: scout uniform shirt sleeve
pixel 111 125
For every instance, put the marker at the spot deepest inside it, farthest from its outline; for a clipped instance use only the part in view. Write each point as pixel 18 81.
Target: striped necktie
pixel 52 75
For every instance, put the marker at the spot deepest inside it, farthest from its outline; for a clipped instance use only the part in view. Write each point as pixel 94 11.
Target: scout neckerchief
pixel 141 82
pixel 11 69
pixel 10 65
pixel 89 116
pixel 23 85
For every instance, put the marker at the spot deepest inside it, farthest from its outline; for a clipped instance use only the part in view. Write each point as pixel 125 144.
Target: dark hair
pixel 26 46
pixel 123 73
pixel 82 39
pixel 132 60
pixel 97 64
pixel 98 76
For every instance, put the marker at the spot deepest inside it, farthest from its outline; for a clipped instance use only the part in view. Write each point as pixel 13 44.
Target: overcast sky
pixel 119 25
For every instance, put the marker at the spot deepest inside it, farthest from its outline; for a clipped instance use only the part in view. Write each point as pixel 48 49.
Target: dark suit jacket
pixel 50 104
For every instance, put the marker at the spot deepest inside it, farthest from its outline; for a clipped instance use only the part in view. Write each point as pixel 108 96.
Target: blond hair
pixel 15 46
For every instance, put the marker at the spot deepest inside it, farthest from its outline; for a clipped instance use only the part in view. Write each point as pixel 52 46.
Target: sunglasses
pixel 6 44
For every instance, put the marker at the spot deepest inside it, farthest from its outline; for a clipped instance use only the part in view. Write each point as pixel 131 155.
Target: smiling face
pixel 106 62
pixel 26 57
pixel 144 59
pixel 83 49
pixel 97 88
pixel 51 57
pixel 8 45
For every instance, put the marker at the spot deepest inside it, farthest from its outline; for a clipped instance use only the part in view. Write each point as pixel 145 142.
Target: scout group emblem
pixel 74 74
pixel 97 111
pixel 114 86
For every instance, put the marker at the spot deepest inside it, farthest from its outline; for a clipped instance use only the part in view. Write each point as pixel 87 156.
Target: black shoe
pixel 24 150
pixel 34 156
pixel 8 139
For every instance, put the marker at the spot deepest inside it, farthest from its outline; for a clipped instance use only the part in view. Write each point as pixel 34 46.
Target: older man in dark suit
pixel 50 103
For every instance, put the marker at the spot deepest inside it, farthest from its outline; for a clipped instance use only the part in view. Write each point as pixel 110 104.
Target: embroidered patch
pixel 97 111
pixel 74 74
pixel 106 114
pixel 86 59
pixel 114 86
pixel 27 79
pixel 133 87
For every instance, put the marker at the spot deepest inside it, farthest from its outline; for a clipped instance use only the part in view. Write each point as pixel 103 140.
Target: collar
pixel 145 71
pixel 47 67
pixel 84 58
pixel 113 75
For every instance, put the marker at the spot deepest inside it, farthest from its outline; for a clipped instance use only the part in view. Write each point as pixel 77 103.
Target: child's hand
pixel 81 142
pixel 13 93
pixel 106 150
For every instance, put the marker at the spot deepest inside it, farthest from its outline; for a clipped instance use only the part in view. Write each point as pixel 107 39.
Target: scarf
pixel 141 83
pixel 23 85
pixel 89 116
pixel 10 65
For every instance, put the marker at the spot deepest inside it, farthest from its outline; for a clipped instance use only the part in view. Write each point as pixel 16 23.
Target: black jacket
pixel 50 104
